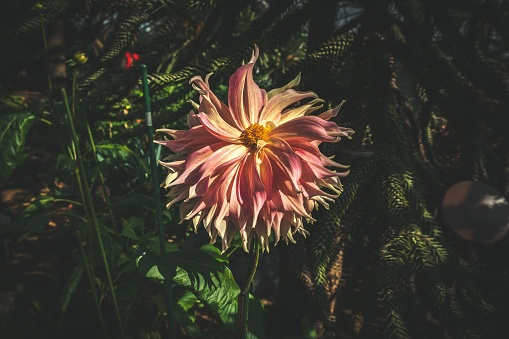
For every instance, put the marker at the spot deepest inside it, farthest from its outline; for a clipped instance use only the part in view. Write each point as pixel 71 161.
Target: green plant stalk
pixel 89 202
pixel 45 43
pixel 94 151
pixel 91 281
pixel 155 186
pixel 243 303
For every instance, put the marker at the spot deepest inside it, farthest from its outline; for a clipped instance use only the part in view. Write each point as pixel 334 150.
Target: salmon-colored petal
pixel 282 156
pixel 193 139
pixel 274 107
pixel 250 187
pixel 206 92
pixel 291 84
pixel 306 129
pixel 218 130
pixel 300 111
pixel 245 98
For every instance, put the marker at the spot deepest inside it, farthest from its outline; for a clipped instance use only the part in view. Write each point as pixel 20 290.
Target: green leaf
pixel 187 300
pixel 70 288
pixel 210 280
pixel 214 252
pixel 13 131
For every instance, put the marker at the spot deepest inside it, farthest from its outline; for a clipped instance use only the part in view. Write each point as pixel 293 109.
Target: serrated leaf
pixel 210 280
pixel 13 131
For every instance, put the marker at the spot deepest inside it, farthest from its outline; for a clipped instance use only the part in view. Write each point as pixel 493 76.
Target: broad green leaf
pixel 210 280
pixel 187 300
pixel 214 252
pixel 70 288
pixel 13 131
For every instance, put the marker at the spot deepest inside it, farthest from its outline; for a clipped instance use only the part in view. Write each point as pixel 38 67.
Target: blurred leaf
pixel 129 233
pixel 33 219
pixel 210 280
pixel 133 222
pixel 131 201
pixel 255 325
pixel 70 288
pixel 13 131
pixel 115 158
pixel 25 225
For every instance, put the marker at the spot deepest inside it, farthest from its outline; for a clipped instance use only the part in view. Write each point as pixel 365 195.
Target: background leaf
pixel 13 131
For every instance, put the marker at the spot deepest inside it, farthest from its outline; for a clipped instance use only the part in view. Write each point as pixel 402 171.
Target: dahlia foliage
pixel 253 166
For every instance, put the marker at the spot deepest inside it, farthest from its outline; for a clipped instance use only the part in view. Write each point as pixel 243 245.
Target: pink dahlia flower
pixel 253 166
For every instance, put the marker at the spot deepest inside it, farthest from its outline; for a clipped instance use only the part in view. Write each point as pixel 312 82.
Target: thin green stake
pixel 157 197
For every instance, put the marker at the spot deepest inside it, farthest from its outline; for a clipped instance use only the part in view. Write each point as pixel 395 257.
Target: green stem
pixel 46 57
pixel 88 201
pixel 91 281
pixel 243 303
pixel 94 151
pixel 157 198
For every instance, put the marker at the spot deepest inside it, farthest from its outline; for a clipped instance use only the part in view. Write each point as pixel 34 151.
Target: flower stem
pixel 88 201
pixel 91 280
pixel 46 57
pixel 243 304
pixel 157 198
pixel 94 151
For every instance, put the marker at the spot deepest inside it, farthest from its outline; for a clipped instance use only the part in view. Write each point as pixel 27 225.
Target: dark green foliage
pixel 427 92
pixel 13 131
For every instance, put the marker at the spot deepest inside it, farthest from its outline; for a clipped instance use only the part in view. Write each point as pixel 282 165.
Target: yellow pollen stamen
pixel 252 134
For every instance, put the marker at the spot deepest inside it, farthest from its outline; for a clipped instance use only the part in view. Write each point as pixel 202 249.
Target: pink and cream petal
pixel 274 107
pixel 245 98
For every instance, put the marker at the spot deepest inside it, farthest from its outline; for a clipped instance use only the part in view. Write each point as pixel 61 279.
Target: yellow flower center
pixel 253 133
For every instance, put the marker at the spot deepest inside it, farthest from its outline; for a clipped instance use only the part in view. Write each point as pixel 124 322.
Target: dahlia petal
pixel 220 107
pixel 306 129
pixel 291 84
pixel 315 165
pixel 193 120
pixel 332 112
pixel 250 187
pixel 282 155
pixel 273 109
pixel 194 161
pixel 300 111
pixel 210 117
pixel 266 174
pixel 245 98
pixel 194 139
pixel 219 130
pixel 222 158
pixel 174 133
